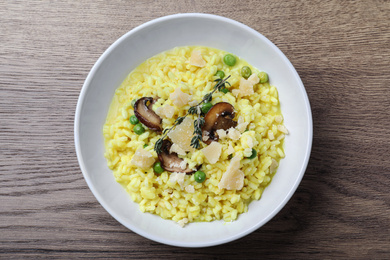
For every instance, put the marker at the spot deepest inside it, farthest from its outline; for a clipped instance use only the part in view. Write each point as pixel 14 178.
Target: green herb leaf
pixel 179 120
pixel 208 97
pixel 158 146
pixel 192 110
pixel 195 142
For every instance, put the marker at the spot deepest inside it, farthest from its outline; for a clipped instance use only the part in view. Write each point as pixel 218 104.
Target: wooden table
pixel 341 49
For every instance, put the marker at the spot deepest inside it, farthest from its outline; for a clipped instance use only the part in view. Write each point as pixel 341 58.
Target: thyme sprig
pixel 198 123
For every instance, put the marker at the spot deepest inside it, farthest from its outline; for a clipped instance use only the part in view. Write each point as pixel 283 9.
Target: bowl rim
pixel 80 103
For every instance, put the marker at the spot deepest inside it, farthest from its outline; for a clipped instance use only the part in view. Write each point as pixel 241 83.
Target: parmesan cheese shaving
pixel 142 159
pixel 166 111
pixel 183 165
pixel 230 149
pixel 234 134
pixel 182 134
pixel 177 177
pixel 242 127
pixel 254 79
pixel 177 149
pixel 179 98
pixel 221 133
pixel 246 85
pixel 233 178
pixel 196 59
pixel 248 141
pixel 212 152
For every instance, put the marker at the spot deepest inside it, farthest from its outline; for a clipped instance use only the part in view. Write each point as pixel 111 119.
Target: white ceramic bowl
pixel 163 34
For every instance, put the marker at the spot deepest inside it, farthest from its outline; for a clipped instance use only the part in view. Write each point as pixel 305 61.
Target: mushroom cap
pixel 145 114
pixel 220 116
pixel 170 161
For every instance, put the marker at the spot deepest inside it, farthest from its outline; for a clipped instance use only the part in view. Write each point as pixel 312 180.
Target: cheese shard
pixel 142 159
pixel 177 177
pixel 179 98
pixel 196 59
pixel 233 178
pixel 230 149
pixel 221 133
pixel 246 85
pixel 183 165
pixel 177 149
pixel 241 124
pixel 233 134
pixel 166 111
pixel 212 152
pixel 246 88
pixel 254 79
pixel 182 134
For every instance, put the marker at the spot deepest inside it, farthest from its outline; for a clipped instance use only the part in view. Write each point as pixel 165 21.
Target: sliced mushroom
pixel 220 116
pixel 170 161
pixel 143 111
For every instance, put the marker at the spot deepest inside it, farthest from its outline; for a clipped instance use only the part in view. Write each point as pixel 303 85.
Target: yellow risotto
pixel 237 161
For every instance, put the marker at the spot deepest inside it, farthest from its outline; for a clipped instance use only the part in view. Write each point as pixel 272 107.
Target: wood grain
pixel 341 49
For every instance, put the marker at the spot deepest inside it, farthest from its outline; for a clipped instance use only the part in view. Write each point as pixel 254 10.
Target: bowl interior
pixel 148 40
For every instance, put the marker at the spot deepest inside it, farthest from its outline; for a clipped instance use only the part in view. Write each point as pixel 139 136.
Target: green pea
pixel 157 168
pixel 246 72
pixel 139 129
pixel 263 77
pixel 206 107
pixel 225 90
pixel 229 60
pixel 133 102
pixel 134 120
pixel 146 145
pixel 220 74
pixel 253 155
pixel 199 176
